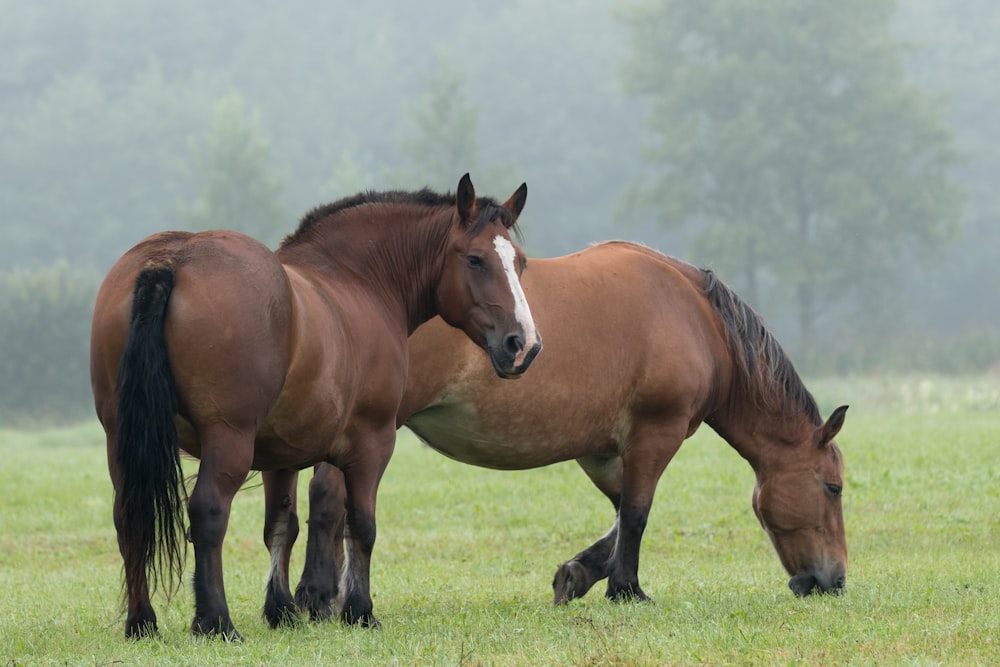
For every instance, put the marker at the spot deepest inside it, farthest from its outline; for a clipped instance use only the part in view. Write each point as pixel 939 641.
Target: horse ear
pixel 465 200
pixel 832 427
pixel 515 204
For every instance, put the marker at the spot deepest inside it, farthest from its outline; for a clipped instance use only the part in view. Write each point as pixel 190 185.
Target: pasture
pixel 463 565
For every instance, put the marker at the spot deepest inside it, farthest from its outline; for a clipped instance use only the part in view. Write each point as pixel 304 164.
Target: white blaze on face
pixel 521 311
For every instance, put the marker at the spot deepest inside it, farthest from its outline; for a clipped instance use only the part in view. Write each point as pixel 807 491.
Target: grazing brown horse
pixel 275 361
pixel 640 349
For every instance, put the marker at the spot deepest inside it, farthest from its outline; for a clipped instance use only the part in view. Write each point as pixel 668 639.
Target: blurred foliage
pixel 954 54
pixel 445 132
pixel 232 173
pixel 87 168
pixel 970 352
pixel 45 333
pixel 119 119
pixel 786 138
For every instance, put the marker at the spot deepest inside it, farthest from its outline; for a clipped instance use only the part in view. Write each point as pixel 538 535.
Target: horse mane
pixel 765 371
pixel 489 209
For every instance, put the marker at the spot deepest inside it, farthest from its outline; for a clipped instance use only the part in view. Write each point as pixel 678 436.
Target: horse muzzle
pixel 818 581
pixel 511 359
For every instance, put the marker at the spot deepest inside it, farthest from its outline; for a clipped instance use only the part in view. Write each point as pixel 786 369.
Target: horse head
pixel 797 499
pixel 480 289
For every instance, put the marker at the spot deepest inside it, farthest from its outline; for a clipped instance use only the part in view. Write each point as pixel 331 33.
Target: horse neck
pixel 398 258
pixel 761 427
pixel 762 406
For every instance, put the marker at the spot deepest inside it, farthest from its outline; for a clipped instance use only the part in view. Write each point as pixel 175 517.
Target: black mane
pixel 765 371
pixel 489 209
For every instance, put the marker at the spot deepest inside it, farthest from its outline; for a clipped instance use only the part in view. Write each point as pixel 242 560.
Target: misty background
pixel 833 162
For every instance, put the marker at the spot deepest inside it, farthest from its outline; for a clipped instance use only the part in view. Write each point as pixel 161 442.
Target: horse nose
pixel 513 343
pixel 834 585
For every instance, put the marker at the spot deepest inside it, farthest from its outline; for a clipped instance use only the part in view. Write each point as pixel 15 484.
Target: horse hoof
pixel 141 626
pixel 283 617
pixel 223 630
pixel 358 611
pixel 319 606
pixel 138 631
pixel 572 581
pixel 367 621
pixel 627 593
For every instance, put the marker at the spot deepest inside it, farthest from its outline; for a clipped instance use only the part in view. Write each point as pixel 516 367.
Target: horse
pixel 641 349
pixel 249 359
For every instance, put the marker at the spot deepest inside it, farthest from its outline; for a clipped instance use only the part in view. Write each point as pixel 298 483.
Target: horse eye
pixel 834 489
pixel 475 262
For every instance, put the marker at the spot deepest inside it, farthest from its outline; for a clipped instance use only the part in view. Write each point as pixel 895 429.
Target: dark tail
pixel 149 507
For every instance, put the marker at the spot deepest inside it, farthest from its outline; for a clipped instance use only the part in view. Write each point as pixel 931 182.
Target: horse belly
pixel 459 434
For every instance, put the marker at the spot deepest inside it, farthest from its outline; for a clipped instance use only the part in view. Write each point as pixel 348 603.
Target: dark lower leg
pixel 361 484
pixel 623 568
pixel 578 575
pixel 281 528
pixel 357 607
pixel 317 589
pixel 140 619
pixel 208 510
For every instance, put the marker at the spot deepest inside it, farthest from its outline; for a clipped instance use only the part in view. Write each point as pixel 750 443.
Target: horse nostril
pixel 513 344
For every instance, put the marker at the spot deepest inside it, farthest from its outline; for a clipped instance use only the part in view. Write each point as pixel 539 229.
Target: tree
pixel 787 140
pixel 444 143
pixel 232 172
pixel 957 48
pixel 87 170
pixel 44 333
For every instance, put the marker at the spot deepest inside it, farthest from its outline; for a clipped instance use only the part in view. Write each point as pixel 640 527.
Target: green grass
pixel 463 566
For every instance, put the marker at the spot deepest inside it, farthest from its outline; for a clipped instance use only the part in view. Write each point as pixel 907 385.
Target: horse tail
pixel 149 493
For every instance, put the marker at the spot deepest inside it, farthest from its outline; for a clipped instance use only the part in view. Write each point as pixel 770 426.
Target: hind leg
pixel 324 562
pixel 140 619
pixel 579 574
pixel 281 528
pixel 225 461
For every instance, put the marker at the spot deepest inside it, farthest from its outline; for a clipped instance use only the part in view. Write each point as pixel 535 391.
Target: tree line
pixel 831 162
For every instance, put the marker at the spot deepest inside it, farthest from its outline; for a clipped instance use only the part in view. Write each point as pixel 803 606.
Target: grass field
pixel 463 566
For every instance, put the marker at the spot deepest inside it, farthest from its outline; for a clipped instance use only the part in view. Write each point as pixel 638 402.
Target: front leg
pixel 361 477
pixel 579 574
pixel 281 528
pixel 324 562
pixel 647 453
pixel 623 569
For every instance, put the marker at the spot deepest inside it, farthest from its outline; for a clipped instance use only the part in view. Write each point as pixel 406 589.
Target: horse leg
pixel 317 588
pixel 281 528
pixel 579 574
pixel 644 459
pixel 361 477
pixel 225 461
pixel 140 619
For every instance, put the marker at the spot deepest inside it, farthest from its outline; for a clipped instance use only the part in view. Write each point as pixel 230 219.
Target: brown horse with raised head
pixel 256 360
pixel 640 349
